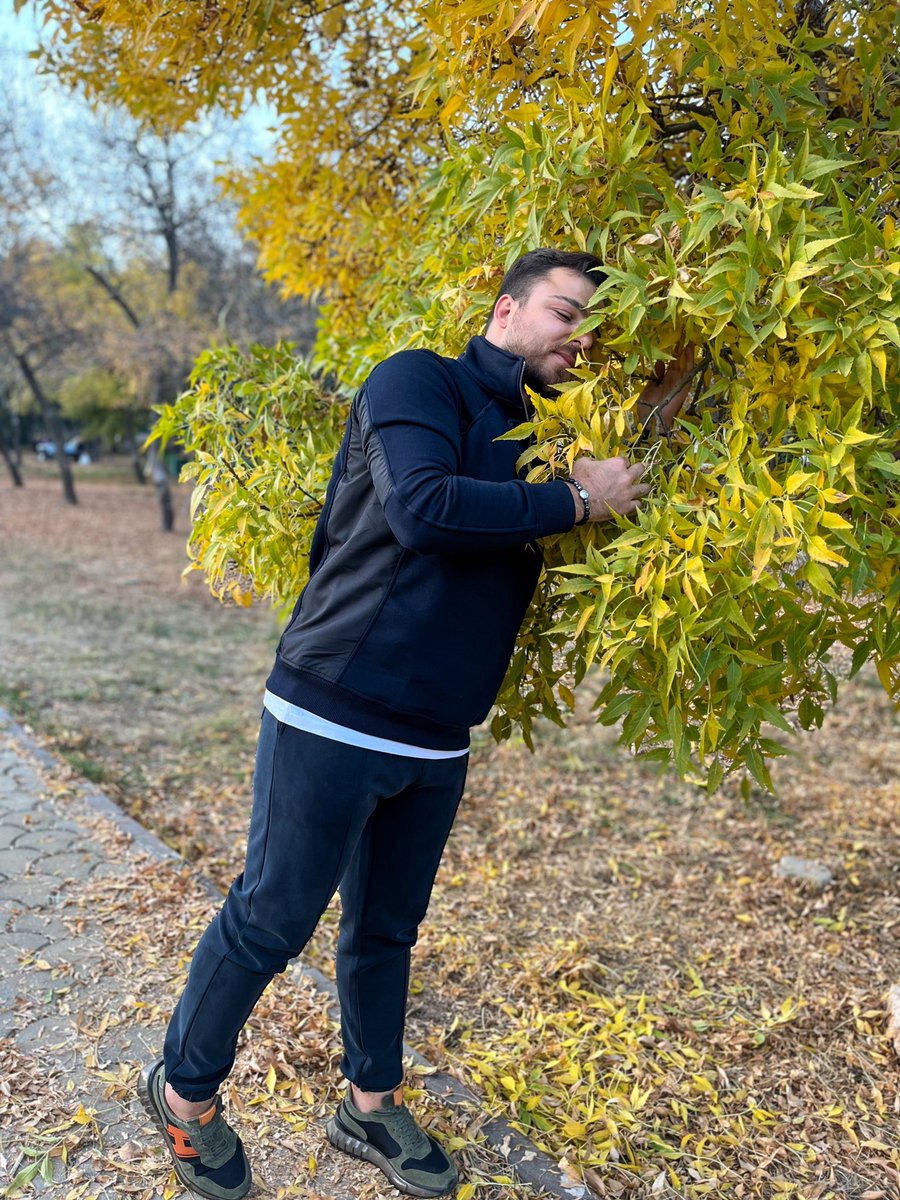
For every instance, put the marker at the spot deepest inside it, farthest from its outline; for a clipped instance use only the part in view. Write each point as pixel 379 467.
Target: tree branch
pixel 115 295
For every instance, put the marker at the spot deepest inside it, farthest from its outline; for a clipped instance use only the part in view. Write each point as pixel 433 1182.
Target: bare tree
pixel 9 453
pixel 34 327
pixel 157 245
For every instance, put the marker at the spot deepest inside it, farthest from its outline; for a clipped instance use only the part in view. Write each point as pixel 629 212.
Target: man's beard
pixel 532 378
pixel 541 372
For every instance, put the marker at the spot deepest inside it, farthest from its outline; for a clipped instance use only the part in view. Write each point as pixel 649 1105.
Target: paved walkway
pixel 78 890
pixel 99 919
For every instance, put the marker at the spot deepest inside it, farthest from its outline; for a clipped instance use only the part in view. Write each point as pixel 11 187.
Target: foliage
pixel 735 166
pixel 575 883
pixel 262 433
pixel 97 402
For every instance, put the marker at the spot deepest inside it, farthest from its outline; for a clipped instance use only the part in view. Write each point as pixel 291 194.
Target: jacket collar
pixel 496 370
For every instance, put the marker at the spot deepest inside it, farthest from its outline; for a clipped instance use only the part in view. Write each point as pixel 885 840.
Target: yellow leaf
pixel 799 270
pixel 797 479
pixel 644 578
pixel 526 13
pixel 832 520
pixel 761 557
pixel 574 1129
pixel 609 72
pixel 451 108
pixel 586 615
pixel 879 358
pixel 855 436
pixel 271 1079
pixel 575 35
pixel 820 552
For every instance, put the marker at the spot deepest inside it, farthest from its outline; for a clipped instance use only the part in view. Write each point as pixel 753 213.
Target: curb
pixel 528 1164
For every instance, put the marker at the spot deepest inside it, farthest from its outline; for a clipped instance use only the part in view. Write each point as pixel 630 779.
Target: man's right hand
pixel 613 485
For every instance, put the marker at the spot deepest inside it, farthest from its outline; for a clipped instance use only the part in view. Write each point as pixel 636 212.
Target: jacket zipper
pixel 522 388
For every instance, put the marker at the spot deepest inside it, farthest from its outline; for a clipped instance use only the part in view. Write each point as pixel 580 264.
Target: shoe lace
pixel 408 1134
pixel 216 1139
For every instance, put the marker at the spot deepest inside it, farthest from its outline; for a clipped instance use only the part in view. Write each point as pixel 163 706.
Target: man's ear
pixel 503 310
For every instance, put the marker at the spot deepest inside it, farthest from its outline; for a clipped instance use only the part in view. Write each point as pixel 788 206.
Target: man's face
pixel 541 327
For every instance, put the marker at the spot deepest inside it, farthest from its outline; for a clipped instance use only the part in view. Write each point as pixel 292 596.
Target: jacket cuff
pixel 556 511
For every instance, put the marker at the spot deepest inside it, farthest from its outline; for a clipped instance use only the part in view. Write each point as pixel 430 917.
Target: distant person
pixel 423 564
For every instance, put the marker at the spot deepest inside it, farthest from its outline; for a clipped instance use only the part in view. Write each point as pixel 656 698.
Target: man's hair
pixel 533 266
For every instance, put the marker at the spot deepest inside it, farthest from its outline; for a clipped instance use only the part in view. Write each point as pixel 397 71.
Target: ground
pixel 609 957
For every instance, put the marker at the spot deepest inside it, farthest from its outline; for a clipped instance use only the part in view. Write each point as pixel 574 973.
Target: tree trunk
pixel 10 462
pixel 53 427
pixel 133 450
pixel 160 477
pixel 16 440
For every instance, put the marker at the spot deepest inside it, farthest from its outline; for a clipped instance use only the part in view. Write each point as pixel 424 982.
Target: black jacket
pixel 424 560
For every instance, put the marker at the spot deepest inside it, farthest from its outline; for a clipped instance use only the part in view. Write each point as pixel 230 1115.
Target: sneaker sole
pixel 145 1094
pixel 341 1140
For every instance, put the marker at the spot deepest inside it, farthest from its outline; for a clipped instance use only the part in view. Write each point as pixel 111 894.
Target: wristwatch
pixel 585 500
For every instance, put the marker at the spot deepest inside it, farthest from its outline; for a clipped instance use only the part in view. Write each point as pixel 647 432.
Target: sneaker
pixel 208 1155
pixel 390 1138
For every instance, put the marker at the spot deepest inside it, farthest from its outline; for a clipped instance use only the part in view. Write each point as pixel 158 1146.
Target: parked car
pixel 74 448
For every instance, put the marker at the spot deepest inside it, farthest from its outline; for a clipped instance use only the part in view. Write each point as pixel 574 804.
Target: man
pixel 423 564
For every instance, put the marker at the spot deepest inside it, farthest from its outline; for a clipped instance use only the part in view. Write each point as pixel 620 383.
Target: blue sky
pixel 18 35
pixel 59 111
pixel 62 134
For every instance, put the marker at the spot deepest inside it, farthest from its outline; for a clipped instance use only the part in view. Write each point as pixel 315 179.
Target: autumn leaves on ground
pixel 609 958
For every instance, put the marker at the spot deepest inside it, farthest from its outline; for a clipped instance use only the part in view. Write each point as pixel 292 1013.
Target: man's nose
pixel 585 341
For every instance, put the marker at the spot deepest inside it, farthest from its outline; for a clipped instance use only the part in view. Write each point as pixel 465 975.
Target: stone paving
pixel 44 857
pixel 54 1038
pixel 88 931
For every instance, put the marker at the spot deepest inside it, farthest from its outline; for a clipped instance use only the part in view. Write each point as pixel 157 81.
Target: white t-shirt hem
pixel 309 722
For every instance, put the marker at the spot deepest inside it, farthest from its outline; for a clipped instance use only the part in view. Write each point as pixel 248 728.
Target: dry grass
pixel 608 955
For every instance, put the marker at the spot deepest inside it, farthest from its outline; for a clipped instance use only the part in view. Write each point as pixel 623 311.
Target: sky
pixel 63 134
pixel 63 115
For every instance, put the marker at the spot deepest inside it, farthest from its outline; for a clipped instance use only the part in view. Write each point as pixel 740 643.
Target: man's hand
pixel 660 402
pixel 613 485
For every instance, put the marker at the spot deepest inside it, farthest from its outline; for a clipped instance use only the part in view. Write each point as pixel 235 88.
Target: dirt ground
pixel 609 957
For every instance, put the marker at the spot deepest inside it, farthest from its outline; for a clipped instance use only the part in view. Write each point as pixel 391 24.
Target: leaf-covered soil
pixel 608 956
pixel 89 974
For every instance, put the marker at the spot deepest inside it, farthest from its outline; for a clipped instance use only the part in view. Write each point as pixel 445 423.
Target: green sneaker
pixel 390 1138
pixel 208 1155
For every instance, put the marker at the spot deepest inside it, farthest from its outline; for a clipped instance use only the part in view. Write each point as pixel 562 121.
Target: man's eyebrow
pixel 575 303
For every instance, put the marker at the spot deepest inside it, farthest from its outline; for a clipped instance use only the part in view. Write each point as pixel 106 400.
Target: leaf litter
pixel 609 957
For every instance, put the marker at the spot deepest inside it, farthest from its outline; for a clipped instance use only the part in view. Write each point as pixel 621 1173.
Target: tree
pixel 190 279
pixel 735 166
pixel 36 328
pixel 148 274
pixel 35 323
pixel 9 450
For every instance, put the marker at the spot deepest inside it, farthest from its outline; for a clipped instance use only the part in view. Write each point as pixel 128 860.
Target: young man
pixel 423 564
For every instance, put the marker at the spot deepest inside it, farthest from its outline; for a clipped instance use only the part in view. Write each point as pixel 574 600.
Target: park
pixel 661 954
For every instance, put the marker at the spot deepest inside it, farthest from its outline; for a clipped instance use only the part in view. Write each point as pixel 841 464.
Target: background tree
pixel 9 441
pixel 35 324
pixel 36 328
pixel 152 270
pixel 736 169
